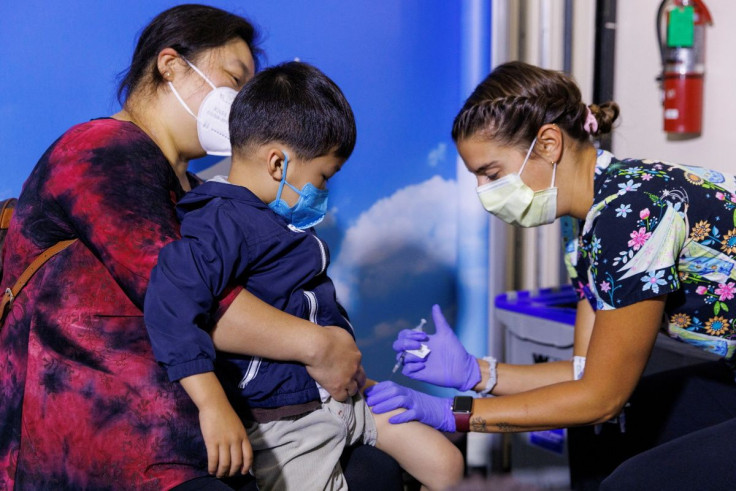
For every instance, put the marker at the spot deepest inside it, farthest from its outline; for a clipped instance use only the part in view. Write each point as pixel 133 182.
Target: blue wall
pixel 392 229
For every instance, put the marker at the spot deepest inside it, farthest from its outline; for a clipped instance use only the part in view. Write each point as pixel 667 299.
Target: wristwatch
pixel 462 407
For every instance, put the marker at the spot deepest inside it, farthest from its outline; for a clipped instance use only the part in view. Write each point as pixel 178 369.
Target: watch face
pixel 462 404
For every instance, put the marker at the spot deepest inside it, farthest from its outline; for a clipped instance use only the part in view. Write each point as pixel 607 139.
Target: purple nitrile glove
pixel 448 364
pixel 430 410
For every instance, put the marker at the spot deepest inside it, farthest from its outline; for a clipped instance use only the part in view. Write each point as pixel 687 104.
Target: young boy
pixel 291 130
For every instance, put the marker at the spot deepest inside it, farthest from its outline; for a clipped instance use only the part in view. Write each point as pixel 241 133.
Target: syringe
pixel 400 361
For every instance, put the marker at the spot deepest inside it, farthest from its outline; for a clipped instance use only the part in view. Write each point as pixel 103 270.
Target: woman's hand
pixel 228 448
pixel 433 411
pixel 448 364
pixel 336 366
pixel 361 377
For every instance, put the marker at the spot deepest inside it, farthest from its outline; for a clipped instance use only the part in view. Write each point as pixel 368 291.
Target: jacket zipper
pixel 250 372
pixel 312 301
pixel 323 253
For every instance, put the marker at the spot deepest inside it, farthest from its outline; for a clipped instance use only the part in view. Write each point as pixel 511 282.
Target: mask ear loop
pixel 176 93
pixel 191 65
pixel 181 101
pixel 554 173
pixel 528 153
pixel 283 178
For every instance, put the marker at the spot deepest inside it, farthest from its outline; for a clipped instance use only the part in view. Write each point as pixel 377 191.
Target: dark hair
pixel 516 99
pixel 189 29
pixel 296 104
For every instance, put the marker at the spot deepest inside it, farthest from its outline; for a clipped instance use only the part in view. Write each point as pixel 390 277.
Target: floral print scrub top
pixel 657 228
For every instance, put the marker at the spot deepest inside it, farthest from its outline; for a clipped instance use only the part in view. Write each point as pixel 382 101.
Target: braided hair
pixel 516 99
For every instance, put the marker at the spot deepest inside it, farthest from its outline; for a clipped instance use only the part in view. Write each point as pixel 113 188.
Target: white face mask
pixel 511 200
pixel 212 117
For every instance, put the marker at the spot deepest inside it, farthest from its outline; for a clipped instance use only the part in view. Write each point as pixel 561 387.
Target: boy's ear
pixel 275 160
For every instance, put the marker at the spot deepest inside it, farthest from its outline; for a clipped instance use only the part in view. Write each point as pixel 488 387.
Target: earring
pixel 167 75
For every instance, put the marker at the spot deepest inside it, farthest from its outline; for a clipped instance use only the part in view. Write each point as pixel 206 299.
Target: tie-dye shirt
pixel 657 228
pixel 83 404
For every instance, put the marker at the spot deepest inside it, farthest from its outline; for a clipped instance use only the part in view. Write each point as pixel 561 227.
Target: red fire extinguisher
pixel 681 34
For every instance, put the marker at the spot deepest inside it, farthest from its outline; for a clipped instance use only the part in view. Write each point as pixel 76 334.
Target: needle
pixel 400 361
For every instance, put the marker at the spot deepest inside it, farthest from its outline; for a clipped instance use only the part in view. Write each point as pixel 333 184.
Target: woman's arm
pixel 251 326
pixel 619 348
pixel 513 379
pixel 620 345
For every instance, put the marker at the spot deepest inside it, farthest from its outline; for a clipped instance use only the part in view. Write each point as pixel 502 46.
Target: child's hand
pixel 228 448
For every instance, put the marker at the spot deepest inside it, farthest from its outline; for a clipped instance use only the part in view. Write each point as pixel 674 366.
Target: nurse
pixel 656 250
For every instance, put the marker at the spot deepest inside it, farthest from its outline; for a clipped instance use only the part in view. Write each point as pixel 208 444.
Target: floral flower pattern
pixel 638 238
pixel 725 291
pixel 700 231
pixel 717 325
pixel 633 249
pixel 728 245
pixel 680 320
pixel 623 210
pixel 653 281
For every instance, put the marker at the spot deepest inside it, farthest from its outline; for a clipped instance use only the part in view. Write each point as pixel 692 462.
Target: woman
pixel 656 240
pixel 83 404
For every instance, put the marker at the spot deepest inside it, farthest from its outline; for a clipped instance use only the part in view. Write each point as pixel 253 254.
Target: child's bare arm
pixel 228 448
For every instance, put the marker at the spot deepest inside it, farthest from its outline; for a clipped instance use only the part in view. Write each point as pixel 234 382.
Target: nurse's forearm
pixel 555 406
pixel 512 379
pixel 619 346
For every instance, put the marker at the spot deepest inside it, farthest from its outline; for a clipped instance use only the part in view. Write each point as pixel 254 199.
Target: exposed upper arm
pixel 620 344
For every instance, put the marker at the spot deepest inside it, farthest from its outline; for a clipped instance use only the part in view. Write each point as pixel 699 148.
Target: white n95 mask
pixel 511 200
pixel 212 117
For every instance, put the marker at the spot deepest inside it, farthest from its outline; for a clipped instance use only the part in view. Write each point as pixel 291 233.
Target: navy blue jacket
pixel 229 236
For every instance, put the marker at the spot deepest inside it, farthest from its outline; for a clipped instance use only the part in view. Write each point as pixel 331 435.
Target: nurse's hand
pixel 448 364
pixel 433 411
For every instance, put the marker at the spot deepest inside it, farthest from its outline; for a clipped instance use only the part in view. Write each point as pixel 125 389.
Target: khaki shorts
pixel 303 453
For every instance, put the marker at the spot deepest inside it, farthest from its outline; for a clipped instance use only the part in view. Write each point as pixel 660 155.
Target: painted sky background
pixel 392 228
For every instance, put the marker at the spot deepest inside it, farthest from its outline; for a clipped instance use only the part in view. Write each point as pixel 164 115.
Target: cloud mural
pixel 395 261
pixel 420 218
pixel 437 155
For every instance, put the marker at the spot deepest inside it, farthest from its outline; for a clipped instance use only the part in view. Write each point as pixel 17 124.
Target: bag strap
pixel 7 212
pixel 11 293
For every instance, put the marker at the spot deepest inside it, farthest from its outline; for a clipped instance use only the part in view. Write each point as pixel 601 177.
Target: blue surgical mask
pixel 310 208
